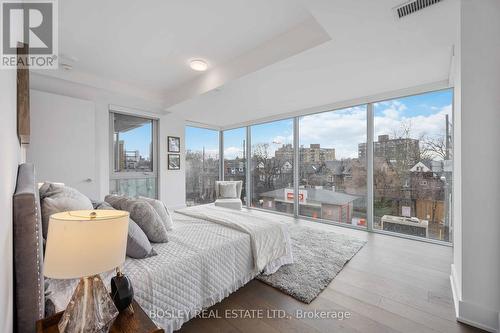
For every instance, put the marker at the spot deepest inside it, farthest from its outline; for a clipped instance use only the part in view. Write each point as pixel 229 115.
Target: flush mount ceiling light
pixel 198 65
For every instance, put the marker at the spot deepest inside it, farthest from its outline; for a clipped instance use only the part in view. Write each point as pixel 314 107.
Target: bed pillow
pixel 162 211
pixel 147 218
pixel 56 198
pixel 116 201
pixel 138 245
pixel 227 190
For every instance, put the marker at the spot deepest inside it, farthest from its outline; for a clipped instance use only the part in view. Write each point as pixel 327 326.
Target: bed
pixel 202 263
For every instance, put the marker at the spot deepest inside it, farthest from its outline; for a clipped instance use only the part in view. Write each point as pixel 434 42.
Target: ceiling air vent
pixel 414 6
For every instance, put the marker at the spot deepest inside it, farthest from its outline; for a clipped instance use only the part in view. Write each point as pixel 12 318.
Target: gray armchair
pixel 232 203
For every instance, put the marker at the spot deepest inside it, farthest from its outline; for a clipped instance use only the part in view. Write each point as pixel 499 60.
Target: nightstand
pixel 138 322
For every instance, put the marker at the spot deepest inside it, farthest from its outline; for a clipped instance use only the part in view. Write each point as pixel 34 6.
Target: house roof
pixel 316 195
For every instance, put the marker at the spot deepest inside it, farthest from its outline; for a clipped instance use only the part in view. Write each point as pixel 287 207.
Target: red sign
pixel 289 196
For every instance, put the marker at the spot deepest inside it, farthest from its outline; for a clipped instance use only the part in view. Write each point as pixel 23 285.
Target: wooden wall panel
pixel 23 99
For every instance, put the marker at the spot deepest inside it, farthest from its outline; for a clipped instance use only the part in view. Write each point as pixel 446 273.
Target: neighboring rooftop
pixel 316 195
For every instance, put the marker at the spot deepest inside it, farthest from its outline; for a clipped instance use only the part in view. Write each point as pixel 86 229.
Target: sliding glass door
pixel 332 171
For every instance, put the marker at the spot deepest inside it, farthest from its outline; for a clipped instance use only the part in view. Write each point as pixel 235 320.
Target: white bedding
pixel 202 263
pixel 271 244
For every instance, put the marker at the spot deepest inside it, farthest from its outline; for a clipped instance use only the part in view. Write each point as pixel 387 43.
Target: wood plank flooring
pixel 391 285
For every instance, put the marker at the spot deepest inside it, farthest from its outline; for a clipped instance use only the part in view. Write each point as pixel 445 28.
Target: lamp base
pixel 90 310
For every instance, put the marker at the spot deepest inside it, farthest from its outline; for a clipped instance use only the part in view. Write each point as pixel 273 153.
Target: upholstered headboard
pixel 28 252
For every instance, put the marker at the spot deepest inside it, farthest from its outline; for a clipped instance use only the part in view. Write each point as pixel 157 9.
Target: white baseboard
pixel 472 314
pixel 455 289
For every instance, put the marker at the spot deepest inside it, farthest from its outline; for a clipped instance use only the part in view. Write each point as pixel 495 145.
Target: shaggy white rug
pixel 319 256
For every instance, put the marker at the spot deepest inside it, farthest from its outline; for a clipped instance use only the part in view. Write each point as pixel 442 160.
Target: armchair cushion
pixel 218 184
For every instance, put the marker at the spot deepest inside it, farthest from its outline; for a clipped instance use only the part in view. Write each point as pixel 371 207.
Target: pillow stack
pixel 149 218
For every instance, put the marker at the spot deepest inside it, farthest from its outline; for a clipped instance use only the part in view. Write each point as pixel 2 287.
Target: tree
pixel 268 169
pixel 434 147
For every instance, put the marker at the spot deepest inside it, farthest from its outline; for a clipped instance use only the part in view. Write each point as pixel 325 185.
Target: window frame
pixel 369 102
pixel 119 175
pixel 220 171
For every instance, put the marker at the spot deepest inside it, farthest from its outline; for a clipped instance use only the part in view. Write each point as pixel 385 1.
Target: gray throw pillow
pixel 56 198
pixel 162 211
pixel 147 218
pixel 138 245
pixel 228 190
pixel 116 201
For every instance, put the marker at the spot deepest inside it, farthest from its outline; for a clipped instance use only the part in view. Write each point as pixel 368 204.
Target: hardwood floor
pixel 391 285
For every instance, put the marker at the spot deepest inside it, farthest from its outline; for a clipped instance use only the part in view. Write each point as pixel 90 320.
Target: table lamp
pixel 83 244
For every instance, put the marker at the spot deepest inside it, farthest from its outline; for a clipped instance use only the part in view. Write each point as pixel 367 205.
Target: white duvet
pixel 202 263
pixel 271 244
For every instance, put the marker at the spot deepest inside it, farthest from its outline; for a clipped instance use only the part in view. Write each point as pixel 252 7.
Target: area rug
pixel 319 256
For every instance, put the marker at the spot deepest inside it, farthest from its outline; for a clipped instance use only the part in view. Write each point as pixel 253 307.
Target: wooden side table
pixel 126 322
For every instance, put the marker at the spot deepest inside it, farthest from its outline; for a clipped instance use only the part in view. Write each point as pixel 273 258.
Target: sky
pixel 340 129
pixel 138 139
pixel 199 138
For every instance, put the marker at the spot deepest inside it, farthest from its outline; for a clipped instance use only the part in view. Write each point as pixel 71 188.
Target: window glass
pixel 202 165
pixel 332 173
pixel 272 166
pixel 235 157
pixel 133 143
pixel 413 174
pixel 134 156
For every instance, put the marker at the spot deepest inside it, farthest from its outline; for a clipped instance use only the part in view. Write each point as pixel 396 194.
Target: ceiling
pixel 149 43
pixel 263 59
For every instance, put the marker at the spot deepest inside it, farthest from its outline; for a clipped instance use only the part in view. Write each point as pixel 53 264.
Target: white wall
pixel 477 246
pixel 171 183
pixel 63 141
pixel 10 159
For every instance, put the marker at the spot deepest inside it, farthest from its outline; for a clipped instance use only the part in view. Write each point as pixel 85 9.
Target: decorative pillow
pixel 147 218
pixel 162 210
pixel 57 198
pixel 227 190
pixel 101 204
pixel 138 245
pixel 116 201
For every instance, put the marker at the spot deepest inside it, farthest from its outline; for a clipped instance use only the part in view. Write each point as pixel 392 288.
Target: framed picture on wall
pixel 174 162
pixel 174 144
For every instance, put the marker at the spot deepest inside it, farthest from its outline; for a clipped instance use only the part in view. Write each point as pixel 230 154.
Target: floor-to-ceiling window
pixel 234 150
pixel 272 166
pixel 134 162
pixel 332 173
pixel 202 165
pixel 413 150
pixel 405 168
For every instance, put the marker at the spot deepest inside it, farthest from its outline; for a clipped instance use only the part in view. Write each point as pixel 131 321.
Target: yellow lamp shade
pixel 84 243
